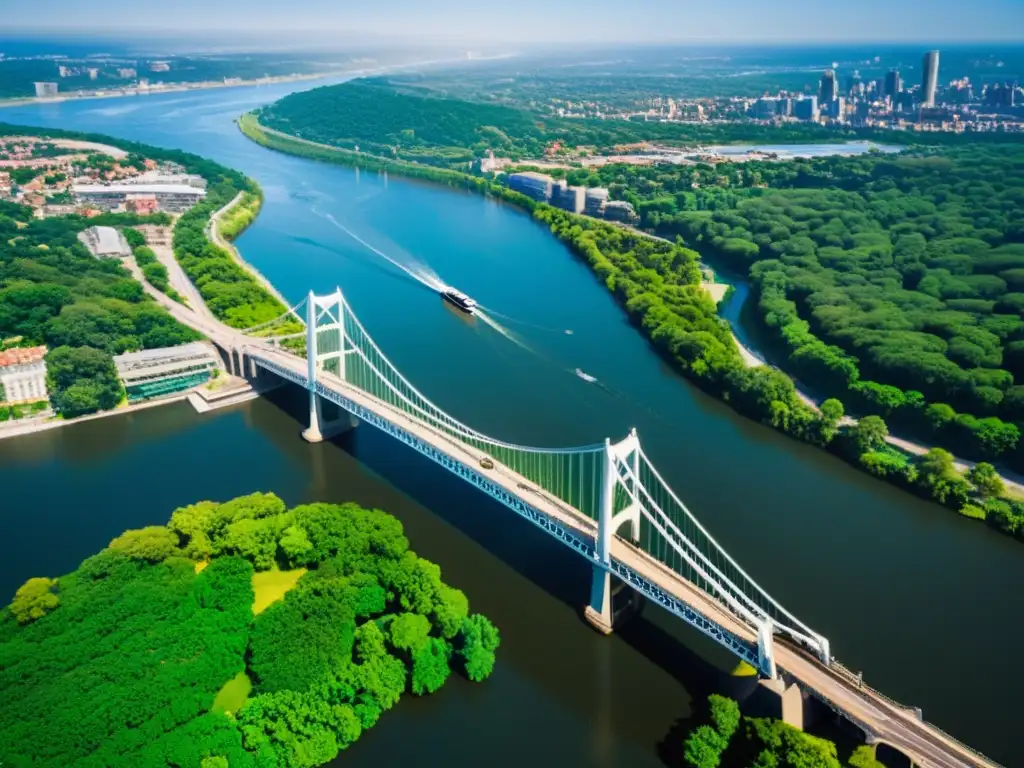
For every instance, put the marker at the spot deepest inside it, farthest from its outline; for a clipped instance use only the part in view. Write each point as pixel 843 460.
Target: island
pixel 886 283
pixel 241 633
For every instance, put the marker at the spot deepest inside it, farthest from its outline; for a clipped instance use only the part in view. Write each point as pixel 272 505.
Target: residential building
pixel 568 198
pixel 157 372
pixel 127 72
pixel 534 185
pixel 160 66
pixel 23 375
pixel 105 242
pixel 93 73
pixel 169 197
pixel 595 200
pixel 929 78
pixel 46 90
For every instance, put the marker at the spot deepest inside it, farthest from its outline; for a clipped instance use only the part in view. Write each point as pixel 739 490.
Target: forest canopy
pixel 135 658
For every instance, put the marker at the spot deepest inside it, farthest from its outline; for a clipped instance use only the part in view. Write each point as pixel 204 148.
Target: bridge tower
pixel 325 343
pixel 620 469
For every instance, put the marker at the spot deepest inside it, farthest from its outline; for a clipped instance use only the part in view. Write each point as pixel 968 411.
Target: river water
pixel 926 603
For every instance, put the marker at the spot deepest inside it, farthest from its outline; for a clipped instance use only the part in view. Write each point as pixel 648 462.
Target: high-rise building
pixel 806 109
pixel 46 89
pixel 893 84
pixel 827 87
pixel 929 78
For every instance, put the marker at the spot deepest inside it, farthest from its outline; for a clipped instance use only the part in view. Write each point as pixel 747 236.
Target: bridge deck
pixel 887 721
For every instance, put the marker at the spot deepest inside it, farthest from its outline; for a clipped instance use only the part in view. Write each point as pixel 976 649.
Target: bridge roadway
pixel 882 720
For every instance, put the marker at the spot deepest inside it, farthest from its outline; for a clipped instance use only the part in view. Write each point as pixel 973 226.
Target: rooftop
pixel 21 356
pixel 105 241
pixel 153 357
pixel 138 189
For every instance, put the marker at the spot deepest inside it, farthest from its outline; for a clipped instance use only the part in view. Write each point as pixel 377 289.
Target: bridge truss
pixel 614 486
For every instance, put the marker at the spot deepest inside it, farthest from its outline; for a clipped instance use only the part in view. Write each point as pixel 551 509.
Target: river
pixel 926 603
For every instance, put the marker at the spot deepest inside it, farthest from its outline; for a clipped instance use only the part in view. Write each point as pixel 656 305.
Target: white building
pixel 23 375
pixel 105 242
pixel 46 90
pixel 170 197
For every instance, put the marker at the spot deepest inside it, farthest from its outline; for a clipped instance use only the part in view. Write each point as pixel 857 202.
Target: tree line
pixel 657 283
pixel 120 661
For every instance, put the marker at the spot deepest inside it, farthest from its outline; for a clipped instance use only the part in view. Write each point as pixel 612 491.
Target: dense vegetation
pixel 729 738
pixel 406 119
pixel 891 282
pixel 233 295
pixel 121 661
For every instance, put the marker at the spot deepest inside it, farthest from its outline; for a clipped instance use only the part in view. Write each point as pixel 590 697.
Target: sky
pixel 598 21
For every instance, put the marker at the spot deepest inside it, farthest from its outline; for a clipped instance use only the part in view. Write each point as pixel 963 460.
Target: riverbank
pixel 157 89
pixel 936 488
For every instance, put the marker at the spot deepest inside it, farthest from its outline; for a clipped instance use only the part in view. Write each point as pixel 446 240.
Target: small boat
pixel 585 376
pixel 459 300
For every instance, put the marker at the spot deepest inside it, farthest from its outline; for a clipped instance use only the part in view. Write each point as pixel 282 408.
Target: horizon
pixel 572 22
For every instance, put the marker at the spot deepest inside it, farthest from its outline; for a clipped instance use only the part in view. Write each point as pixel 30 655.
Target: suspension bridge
pixel 605 501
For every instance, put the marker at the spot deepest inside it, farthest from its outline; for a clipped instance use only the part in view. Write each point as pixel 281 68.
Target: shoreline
pixel 250 126
pixel 204 85
pixel 209 85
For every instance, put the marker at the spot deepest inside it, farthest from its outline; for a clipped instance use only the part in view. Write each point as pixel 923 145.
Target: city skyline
pixel 448 21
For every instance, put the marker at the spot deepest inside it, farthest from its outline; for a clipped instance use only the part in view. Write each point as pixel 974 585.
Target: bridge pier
pixel 791 704
pixel 320 430
pixel 611 602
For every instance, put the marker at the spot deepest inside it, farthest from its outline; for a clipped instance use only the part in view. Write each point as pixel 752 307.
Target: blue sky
pixel 710 21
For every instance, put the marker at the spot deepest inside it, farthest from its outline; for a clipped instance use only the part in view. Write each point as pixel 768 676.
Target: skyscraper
pixel 827 87
pixel 930 78
pixel 893 83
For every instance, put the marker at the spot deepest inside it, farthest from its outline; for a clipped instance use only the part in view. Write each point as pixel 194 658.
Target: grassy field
pixel 233 694
pixel 271 586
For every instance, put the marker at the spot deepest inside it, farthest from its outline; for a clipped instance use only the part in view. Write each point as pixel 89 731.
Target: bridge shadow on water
pixel 357 463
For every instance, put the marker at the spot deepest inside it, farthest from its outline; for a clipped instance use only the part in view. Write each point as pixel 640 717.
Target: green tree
pixel 477 641
pixel 152 544
pixel 869 434
pixel 409 632
pixel 34 599
pixel 986 480
pixel 703 748
pixel 828 420
pixel 82 380
pixel 430 666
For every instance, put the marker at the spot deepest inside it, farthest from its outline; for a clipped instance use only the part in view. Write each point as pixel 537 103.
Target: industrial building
pixel 169 197
pixel 157 372
pixel 105 243
pixel 23 375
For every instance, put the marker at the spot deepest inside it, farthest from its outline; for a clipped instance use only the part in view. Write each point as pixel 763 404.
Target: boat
pixel 459 300
pixel 586 376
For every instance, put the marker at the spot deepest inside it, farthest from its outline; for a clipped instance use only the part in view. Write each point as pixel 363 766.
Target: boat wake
pixel 417 270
